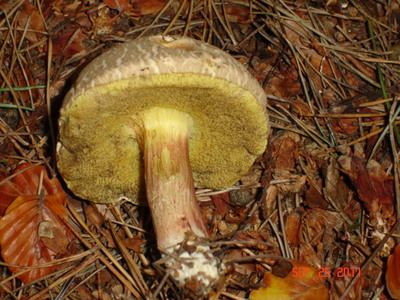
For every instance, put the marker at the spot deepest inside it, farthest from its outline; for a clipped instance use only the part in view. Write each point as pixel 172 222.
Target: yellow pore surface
pixel 99 155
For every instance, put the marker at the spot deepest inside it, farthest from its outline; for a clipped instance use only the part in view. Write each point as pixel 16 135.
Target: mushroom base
pixel 194 268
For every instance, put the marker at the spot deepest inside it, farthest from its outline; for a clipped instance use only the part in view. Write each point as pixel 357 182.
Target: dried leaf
pixel 121 5
pixel 147 7
pixel 30 13
pixel 70 43
pixel 222 203
pixel 293 183
pixel 393 273
pixel 284 82
pixel 27 183
pixel 303 282
pixel 286 150
pixel 32 231
pixel 336 190
pixel 134 243
pixel 268 201
pixel 20 240
pixel 238 14
pixel 307 254
pixel 315 199
pixel 294 226
pixel 317 222
pixel 373 186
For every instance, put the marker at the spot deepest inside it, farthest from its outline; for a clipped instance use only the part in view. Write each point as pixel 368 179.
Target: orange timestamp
pixel 328 272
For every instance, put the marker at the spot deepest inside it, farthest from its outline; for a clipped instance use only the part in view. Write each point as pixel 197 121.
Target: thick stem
pixel 164 135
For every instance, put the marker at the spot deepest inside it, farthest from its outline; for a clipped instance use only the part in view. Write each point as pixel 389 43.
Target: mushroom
pixel 163 115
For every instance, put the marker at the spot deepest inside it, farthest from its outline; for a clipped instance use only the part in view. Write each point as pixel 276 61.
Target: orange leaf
pixel 26 183
pixel 121 5
pixel 393 273
pixel 147 7
pixel 303 282
pixel 22 230
pixel 32 231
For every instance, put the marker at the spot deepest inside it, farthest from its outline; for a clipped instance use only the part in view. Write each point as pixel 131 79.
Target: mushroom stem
pixel 164 135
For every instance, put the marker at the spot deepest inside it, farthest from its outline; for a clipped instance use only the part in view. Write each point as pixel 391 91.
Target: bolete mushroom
pixel 164 114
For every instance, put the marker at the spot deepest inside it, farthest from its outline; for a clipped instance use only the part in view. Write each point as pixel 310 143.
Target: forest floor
pixel 314 218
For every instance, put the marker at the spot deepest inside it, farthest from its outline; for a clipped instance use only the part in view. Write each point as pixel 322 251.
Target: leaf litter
pixel 324 197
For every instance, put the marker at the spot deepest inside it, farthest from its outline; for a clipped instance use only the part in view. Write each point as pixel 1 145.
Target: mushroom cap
pixel 98 153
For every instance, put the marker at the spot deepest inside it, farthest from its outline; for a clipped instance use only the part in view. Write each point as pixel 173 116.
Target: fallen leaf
pixel 147 7
pixel 29 13
pixel 303 282
pixel 335 190
pixel 268 200
pixel 25 180
pixel 70 43
pixel 292 183
pixel 238 14
pixel 319 221
pixel 286 150
pixel 374 188
pixel 121 5
pixel 307 254
pixel 21 244
pixel 294 226
pixel 135 243
pixel 314 198
pixel 285 82
pixel 32 230
pixel 393 273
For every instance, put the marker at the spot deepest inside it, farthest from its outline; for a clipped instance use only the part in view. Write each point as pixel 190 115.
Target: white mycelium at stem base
pixel 164 138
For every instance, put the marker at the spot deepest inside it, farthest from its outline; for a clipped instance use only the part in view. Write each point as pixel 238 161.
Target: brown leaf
pixel 268 200
pixel 147 7
pixel 238 14
pixel 27 183
pixel 294 226
pixel 134 243
pixel 319 221
pixel 373 186
pixel 30 13
pixel 70 43
pixel 222 203
pixel 393 273
pixel 315 199
pixel 336 190
pixel 21 244
pixel 303 282
pixel 121 5
pixel 293 183
pixel 284 82
pixel 286 150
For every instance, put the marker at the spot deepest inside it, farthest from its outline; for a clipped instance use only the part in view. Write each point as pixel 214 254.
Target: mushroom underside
pixel 228 132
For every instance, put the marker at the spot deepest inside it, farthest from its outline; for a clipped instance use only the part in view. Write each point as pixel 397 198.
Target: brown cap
pixel 98 154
